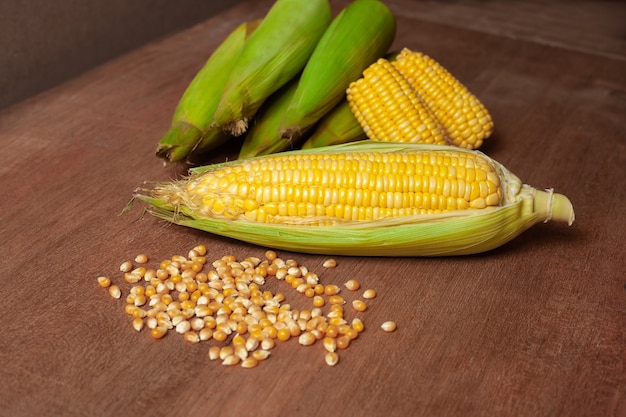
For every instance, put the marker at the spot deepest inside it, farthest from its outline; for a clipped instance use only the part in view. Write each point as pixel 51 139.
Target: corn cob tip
pixel 559 207
pixel 179 141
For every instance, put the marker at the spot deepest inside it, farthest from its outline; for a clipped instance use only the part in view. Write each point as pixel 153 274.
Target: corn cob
pixel 389 109
pixel 361 33
pixel 190 130
pixel 277 50
pixel 363 198
pixel 465 118
pixel 336 127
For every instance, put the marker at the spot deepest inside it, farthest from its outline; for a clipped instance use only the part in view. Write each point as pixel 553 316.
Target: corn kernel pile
pixel 226 304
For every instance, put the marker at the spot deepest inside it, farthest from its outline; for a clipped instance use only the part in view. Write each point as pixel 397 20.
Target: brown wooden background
pixel 535 328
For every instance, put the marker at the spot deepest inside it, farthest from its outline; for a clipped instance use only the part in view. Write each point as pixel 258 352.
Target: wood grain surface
pixel 534 328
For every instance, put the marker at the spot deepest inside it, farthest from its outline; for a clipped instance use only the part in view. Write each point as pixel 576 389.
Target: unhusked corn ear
pixel 336 127
pixel 465 118
pixel 360 34
pixel 275 53
pixel 261 137
pixel 389 110
pixel 191 130
pixel 363 198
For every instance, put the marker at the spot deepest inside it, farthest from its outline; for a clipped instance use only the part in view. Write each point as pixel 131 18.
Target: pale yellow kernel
pixel 268 344
pixel 138 324
pixel 306 339
pixel 104 282
pixel 329 263
pixel 205 333
pixel 126 266
pixel 191 337
pixel 260 354
pixel 214 353
pixel 249 362
pixel 352 284
pixel 389 326
pixel 331 358
pixel 369 293
pixel 231 360
pixel 200 250
pixel 142 258
pixel 115 291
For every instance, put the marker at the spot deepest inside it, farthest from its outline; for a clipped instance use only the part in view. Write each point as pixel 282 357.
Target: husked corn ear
pixel 297 189
pixel 275 53
pixel 465 118
pixel 389 110
pixel 363 198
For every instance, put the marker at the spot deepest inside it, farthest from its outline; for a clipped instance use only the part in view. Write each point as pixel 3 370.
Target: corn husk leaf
pixel 450 233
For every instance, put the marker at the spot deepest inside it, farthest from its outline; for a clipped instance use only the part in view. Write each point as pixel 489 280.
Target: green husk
pixel 261 136
pixel 277 50
pixel 336 127
pixel 360 34
pixel 191 130
pixel 451 233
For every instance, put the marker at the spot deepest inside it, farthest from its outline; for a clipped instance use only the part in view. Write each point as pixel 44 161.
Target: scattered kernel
pixel 224 301
pixel 329 263
pixel 331 358
pixel 126 266
pixel 389 326
pixel 104 282
pixel 352 284
pixel 214 352
pixel 359 305
pixel 115 291
pixel 369 293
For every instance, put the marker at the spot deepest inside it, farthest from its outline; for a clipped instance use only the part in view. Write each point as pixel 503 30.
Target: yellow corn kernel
pixel 359 305
pixel 369 294
pixel 354 186
pixel 104 282
pixel 388 326
pixel 464 117
pixel 388 108
pixel 331 358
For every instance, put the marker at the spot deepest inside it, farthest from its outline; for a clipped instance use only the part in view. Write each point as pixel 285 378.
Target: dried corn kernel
pixel 389 326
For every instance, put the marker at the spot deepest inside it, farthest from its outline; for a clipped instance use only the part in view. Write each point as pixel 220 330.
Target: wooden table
pixel 534 328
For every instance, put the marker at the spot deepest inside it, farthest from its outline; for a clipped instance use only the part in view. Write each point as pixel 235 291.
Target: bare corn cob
pixel 362 198
pixel 389 109
pixel 277 50
pixel 465 118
